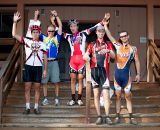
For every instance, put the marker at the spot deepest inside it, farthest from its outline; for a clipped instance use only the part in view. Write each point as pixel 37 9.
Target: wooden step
pixel 20 100
pixel 73 118
pixel 146 107
pixel 78 126
pixel 81 109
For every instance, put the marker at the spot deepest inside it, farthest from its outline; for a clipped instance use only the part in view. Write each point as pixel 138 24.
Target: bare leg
pixel 118 101
pixel 45 89
pixel 106 101
pixel 56 89
pixel 73 82
pixel 27 91
pixel 128 97
pixel 37 92
pixel 80 83
pixel 96 100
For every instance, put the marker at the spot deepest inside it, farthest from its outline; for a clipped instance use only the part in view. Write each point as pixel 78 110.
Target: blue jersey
pixel 52 45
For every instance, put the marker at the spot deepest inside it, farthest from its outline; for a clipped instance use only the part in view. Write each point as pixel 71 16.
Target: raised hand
pixel 16 17
pixel 105 21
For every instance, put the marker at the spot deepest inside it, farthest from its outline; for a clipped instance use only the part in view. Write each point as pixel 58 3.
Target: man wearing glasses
pixel 125 53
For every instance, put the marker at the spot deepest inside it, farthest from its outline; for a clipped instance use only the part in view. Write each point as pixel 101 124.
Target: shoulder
pixel 134 48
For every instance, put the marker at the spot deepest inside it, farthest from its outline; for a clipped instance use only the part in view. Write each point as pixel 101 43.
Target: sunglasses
pixel 51 31
pixel 123 36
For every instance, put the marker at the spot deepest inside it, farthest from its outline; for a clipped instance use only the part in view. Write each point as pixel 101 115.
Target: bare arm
pixel 137 64
pixel 36 15
pixel 16 18
pixel 54 13
pixel 45 66
pixel 112 54
pixel 105 23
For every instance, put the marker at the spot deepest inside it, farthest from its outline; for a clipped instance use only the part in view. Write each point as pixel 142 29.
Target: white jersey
pixel 34 51
pixel 31 23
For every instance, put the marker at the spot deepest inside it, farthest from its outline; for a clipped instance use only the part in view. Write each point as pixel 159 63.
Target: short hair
pixel 51 25
pixel 122 32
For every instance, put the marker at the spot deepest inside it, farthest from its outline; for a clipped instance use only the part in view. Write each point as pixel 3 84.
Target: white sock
pixel 35 105
pixel 27 105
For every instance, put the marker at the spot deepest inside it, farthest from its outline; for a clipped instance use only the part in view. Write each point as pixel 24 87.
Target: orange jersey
pixel 124 55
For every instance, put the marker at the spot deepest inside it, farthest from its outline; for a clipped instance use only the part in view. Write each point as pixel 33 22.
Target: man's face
pixel 124 37
pixel 73 28
pixel 100 33
pixel 50 31
pixel 35 34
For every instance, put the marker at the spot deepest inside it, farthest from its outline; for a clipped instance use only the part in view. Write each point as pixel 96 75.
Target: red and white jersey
pixel 34 51
pixel 77 41
pixel 98 59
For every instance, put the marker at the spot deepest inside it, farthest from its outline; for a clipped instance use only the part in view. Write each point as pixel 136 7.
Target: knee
pixel 128 96
pixel 118 96
pixel 27 89
pixel 73 80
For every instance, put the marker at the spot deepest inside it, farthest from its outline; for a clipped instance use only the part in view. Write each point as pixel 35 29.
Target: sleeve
pixel 110 46
pixel 116 44
pixel 43 48
pixel 89 48
pixel 89 30
pixel 58 37
pixel 42 37
pixel 31 23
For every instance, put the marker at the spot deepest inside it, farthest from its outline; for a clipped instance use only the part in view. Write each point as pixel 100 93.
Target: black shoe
pixel 26 111
pixel 108 121
pixel 117 120
pixel 133 121
pixel 99 120
pixel 37 111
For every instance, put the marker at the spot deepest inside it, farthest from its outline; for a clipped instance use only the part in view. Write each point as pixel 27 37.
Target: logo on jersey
pixel 35 48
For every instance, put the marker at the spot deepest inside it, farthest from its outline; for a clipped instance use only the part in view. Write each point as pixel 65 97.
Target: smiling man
pixel 125 53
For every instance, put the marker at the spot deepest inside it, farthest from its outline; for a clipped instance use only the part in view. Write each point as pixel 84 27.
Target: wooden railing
pixel 153 62
pixel 8 73
pixel 88 91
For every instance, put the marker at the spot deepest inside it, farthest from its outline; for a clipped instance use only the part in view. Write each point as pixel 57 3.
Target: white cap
pixel 100 27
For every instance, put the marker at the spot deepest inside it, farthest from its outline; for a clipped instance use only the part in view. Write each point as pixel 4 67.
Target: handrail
pixel 88 91
pixel 153 61
pixel 8 73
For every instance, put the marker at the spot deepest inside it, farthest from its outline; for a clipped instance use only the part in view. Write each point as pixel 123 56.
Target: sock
pixel 56 97
pixel 27 105
pixel 73 97
pixel 45 97
pixel 130 115
pixel 118 115
pixel 79 96
pixel 35 105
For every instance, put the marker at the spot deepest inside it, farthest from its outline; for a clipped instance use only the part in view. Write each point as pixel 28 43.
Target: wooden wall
pixel 139 17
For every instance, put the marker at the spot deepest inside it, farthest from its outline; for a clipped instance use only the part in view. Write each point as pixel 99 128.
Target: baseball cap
pixel 100 27
pixel 35 27
pixel 72 21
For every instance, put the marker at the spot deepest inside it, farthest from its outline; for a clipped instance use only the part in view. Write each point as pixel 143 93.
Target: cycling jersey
pixel 77 43
pixel 52 45
pixel 100 76
pixel 124 56
pixel 34 51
